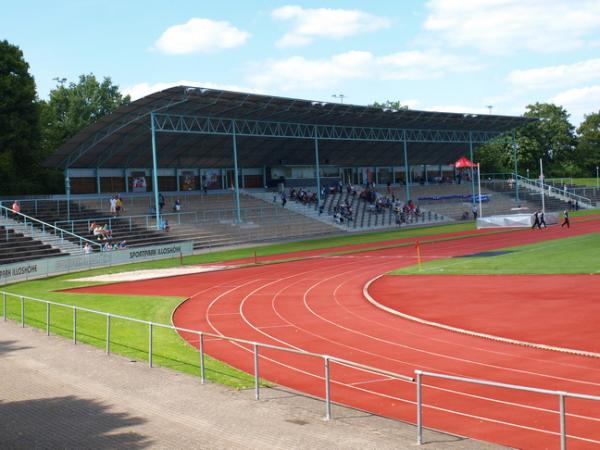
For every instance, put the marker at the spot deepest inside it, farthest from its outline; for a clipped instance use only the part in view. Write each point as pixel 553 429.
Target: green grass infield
pixel 573 255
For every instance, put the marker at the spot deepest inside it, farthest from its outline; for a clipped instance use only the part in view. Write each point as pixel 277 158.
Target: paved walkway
pixel 54 394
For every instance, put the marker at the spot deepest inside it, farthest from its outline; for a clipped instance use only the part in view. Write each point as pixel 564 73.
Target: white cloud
pixel 579 101
pixel 458 109
pixel 554 76
pixel 502 26
pixel 142 89
pixel 415 65
pixel 410 103
pixel 297 72
pixel 200 35
pixel 325 22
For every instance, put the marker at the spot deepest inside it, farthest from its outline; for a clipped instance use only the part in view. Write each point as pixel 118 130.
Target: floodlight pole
pixel 479 188
pixel 317 169
pixel 406 171
pixel 514 146
pixel 235 174
pixel 542 186
pixel 155 171
pixel 472 171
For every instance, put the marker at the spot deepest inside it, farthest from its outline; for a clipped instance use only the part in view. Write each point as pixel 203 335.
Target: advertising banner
pixel 40 268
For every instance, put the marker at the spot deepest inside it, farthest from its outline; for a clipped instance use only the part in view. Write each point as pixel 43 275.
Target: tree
pixel 389 104
pixel 73 106
pixel 588 147
pixel 495 156
pixel 19 123
pixel 552 138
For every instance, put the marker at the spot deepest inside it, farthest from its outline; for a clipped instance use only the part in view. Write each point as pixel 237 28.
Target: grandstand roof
pixel 195 127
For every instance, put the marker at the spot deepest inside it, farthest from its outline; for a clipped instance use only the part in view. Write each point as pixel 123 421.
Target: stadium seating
pixel 16 247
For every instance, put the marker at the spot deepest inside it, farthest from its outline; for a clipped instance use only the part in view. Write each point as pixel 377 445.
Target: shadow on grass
pixel 67 422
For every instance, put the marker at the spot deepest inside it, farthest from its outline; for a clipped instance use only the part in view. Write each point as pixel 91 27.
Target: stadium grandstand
pixel 215 167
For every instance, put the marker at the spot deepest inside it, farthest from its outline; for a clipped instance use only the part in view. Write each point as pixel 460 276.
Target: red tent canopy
pixel 463 162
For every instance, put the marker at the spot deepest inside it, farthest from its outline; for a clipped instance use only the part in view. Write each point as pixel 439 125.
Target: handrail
pixel 219 213
pixel 551 189
pixel 220 336
pixel 46 225
pixel 560 394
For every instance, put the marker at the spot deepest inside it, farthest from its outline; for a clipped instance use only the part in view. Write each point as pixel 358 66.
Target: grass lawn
pixel 591 182
pixel 573 255
pixel 131 339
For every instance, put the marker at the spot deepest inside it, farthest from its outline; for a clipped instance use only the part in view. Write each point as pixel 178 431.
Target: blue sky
pixel 450 55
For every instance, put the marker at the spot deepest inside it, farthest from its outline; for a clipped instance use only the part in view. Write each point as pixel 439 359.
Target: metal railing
pixel 560 394
pixel 541 187
pixel 190 217
pixel 256 346
pixel 102 201
pixel 29 223
pixel 255 349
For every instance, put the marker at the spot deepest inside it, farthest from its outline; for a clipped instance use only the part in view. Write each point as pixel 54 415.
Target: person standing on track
pixel 542 220
pixel 536 220
pixel 565 219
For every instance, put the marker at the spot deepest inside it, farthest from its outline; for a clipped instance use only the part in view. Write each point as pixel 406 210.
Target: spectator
pixel 164 225
pixel 113 205
pixel 119 205
pixel 16 210
pixel 87 248
pixel 123 244
pixel 161 202
pixel 177 206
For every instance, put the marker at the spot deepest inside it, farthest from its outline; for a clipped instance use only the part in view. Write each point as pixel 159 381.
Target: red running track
pixel 318 305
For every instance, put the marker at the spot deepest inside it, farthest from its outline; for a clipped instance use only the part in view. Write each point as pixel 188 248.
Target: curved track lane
pixel 318 305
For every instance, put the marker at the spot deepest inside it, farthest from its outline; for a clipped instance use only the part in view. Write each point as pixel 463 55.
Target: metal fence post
pixel 108 334
pixel 47 319
pixel 419 409
pixel 150 344
pixel 256 374
pixel 563 425
pixel 327 389
pixel 74 325
pixel 201 348
pixel 22 312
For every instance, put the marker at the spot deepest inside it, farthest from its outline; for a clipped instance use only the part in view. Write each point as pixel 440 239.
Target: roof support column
pixel 98 189
pixel 154 171
pixel 177 180
pixel 126 180
pixel 68 193
pixel 514 146
pixel 235 174
pixel 472 171
pixel 318 170
pixel 406 171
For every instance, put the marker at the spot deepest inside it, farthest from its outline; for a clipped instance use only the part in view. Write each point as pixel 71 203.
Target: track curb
pixel 491 337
